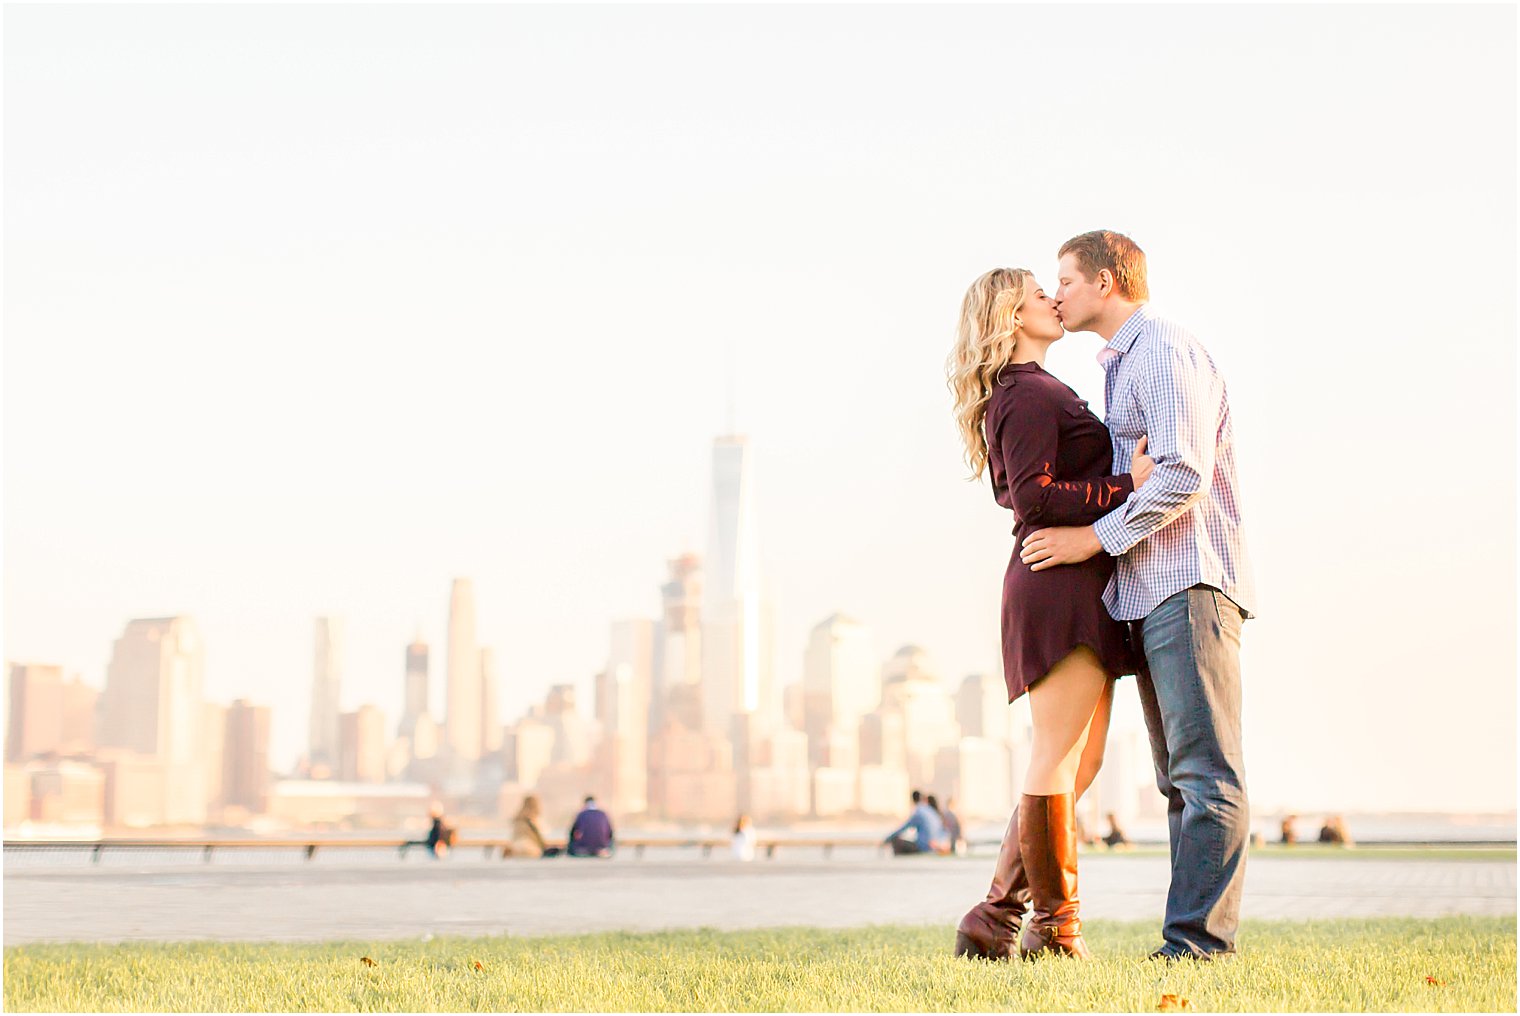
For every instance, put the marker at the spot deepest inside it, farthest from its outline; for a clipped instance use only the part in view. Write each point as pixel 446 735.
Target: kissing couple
pixel 1141 572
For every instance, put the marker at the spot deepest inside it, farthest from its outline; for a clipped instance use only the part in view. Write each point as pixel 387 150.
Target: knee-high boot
pixel 990 930
pixel 1048 842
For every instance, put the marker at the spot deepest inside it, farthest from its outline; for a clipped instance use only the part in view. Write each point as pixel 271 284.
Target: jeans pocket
pixel 1229 616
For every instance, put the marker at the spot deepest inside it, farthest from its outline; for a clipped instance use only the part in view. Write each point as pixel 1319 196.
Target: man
pixel 440 836
pixel 1182 579
pixel 927 830
pixel 591 833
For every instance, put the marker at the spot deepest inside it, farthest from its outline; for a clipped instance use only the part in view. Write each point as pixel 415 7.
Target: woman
pixel 1050 460
pixel 946 841
pixel 527 841
pixel 743 843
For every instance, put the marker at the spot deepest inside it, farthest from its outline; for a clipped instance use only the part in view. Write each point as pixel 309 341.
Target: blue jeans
pixel 1190 693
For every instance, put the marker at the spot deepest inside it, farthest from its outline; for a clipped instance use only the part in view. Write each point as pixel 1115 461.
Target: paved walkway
pixel 382 899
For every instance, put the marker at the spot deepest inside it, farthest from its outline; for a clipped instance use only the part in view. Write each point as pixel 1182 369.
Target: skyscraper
pixel 462 694
pixel 361 743
pixel 327 675
pixel 840 684
pixel 245 757
pixel 733 672
pixel 676 691
pixel 490 712
pixel 416 690
pixel 152 706
pixel 47 714
pixel 624 713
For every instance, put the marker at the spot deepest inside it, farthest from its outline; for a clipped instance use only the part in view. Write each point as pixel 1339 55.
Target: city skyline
pixel 467 291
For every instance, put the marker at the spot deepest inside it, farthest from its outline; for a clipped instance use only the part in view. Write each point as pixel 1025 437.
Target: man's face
pixel 1078 299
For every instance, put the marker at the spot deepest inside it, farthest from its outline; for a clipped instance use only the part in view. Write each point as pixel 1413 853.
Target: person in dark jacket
pixel 591 834
pixel 440 836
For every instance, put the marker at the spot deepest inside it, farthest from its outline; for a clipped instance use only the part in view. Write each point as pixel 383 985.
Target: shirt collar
pixel 1125 337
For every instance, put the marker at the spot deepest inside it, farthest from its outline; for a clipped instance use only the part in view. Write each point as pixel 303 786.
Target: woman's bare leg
pixel 1062 704
pixel 1097 739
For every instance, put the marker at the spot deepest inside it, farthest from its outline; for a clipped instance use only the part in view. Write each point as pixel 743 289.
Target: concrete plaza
pixel 382 898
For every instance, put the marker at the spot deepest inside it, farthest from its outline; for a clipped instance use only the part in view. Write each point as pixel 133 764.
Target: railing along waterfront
pixel 490 847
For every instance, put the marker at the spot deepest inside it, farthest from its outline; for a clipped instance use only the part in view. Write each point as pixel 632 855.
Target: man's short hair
pixel 1103 248
pixel 589 800
pixel 917 797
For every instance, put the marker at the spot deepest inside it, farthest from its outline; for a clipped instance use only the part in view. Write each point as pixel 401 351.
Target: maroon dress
pixel 1050 459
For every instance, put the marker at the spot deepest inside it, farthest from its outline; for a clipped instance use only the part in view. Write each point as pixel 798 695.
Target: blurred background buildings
pixel 688 724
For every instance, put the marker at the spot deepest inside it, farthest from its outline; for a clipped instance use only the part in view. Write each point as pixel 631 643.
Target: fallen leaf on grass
pixel 1432 980
pixel 1171 1003
pixel 368 962
pixel 479 967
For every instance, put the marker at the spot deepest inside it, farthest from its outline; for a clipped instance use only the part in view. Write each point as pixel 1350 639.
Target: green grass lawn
pixel 1357 965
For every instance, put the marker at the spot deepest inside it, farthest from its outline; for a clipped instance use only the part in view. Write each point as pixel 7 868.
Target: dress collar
pixel 1022 368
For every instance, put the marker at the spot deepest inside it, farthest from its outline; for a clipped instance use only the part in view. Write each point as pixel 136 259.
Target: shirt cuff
pixel 1112 534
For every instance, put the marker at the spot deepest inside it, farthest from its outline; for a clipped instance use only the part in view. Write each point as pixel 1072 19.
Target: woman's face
pixel 1039 317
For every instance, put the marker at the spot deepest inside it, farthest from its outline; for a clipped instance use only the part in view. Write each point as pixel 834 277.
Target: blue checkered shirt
pixel 1182 527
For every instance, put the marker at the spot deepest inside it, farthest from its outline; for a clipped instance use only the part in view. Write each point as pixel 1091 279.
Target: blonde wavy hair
pixel 984 344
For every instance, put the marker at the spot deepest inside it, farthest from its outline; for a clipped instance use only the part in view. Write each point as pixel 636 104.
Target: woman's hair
pixel 934 803
pixel 529 809
pixel 983 346
pixel 741 823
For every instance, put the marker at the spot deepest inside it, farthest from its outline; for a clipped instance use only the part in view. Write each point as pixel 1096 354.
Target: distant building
pixel 361 746
pixel 490 712
pixel 245 757
pixel 912 691
pixel 884 790
pixel 676 685
pixel 840 683
pixel 532 750
pixel 338 803
pixel 691 776
pixel 48 715
pixel 780 784
pixel 982 709
pixel 151 707
pixel 415 691
pixel 975 772
pixel 736 672
pixel 67 793
pixel 462 719
pixel 622 711
pixel 327 677
pixel 136 789
pixel 18 795
pixel 213 753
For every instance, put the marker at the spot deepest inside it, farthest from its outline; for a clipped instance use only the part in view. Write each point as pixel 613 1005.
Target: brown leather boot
pixel 1048 841
pixel 990 930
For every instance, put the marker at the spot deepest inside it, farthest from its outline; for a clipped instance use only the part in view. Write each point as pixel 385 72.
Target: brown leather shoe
pixel 1048 842
pixel 990 930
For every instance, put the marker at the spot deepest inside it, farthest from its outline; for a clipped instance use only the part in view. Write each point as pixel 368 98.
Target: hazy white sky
pixel 310 309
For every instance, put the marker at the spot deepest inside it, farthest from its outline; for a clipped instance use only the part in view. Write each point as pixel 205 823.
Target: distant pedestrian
pixel 953 827
pixel 1115 837
pixel 743 844
pixel 944 843
pixel 1289 830
pixel 1334 831
pixel 440 835
pixel 527 839
pixel 926 826
pixel 591 833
